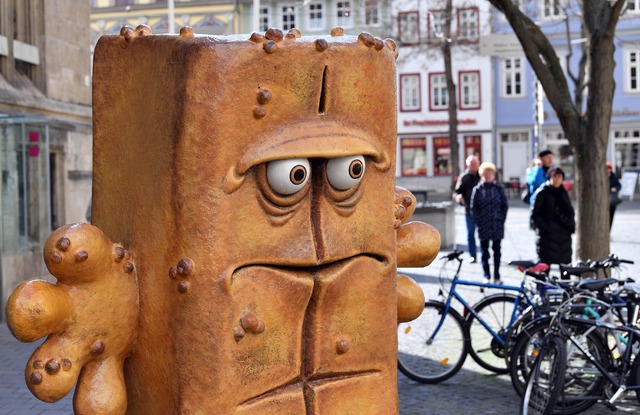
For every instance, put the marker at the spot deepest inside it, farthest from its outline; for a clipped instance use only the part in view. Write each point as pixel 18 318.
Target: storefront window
pixel 472 146
pixel 441 156
pixel 414 157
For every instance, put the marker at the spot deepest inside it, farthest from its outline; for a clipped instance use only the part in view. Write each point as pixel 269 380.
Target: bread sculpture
pixel 249 184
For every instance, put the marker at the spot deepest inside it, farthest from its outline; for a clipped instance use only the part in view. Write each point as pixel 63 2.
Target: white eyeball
pixel 345 172
pixel 287 177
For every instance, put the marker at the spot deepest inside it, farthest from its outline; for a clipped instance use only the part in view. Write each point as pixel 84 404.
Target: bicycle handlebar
pixel 453 255
pixel 611 261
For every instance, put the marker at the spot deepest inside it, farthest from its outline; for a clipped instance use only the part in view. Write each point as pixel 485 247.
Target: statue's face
pixel 264 238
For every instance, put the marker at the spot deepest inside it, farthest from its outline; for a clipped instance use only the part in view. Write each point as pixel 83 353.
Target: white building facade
pixel 424 159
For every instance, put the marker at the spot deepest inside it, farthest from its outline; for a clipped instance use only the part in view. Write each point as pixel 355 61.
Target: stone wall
pixel 67 51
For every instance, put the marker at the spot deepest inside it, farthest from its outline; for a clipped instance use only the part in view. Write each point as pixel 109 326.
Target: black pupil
pixel 356 169
pixel 298 174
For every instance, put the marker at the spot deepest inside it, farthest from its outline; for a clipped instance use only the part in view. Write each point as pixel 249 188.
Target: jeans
pixel 484 249
pixel 471 235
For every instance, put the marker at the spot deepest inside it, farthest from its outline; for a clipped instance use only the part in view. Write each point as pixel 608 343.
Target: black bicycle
pixel 603 369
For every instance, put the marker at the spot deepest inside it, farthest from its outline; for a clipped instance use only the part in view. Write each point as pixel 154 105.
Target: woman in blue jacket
pixel 489 209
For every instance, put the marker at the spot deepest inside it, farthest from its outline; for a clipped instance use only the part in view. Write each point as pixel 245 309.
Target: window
pixel 408 29
pixel 414 156
pixel 288 17
pixel 436 21
pixel 632 70
pixel 468 21
pixel 473 146
pixel 441 156
pixel 551 9
pixel 469 90
pixel 633 6
pixel 626 149
pixel 514 137
pixel 512 78
pixel 410 92
pixel 344 17
pixel 372 12
pixel 439 95
pixel 265 21
pixel 316 16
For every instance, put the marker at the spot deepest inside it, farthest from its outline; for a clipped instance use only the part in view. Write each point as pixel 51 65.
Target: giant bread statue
pixel 246 233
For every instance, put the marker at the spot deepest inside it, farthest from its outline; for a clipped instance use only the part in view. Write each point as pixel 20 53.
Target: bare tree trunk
pixel 451 91
pixel 588 133
pixel 599 22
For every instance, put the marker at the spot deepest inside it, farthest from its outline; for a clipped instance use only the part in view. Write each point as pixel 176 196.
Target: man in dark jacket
pixel 554 218
pixel 467 181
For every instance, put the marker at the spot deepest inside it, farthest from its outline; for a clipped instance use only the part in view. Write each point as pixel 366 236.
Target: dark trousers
pixel 471 235
pixel 612 211
pixel 484 249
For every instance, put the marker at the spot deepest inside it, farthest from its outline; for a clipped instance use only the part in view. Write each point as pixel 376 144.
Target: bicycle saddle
pixel 523 263
pixel 595 285
pixel 577 270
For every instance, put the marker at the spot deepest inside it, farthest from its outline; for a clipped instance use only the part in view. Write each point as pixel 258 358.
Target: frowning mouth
pixel 313 267
pixel 306 386
pixel 329 318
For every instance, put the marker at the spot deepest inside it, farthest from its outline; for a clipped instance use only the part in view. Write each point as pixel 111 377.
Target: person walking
pixel 467 181
pixel 489 209
pixel 554 219
pixel 614 188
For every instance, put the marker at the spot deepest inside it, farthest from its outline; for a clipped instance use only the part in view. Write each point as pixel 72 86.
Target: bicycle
pixel 592 373
pixel 434 347
pixel 526 345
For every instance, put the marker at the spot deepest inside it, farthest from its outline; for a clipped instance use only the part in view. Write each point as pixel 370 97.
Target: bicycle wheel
pixel 524 352
pixel 526 317
pixel 432 361
pixel 547 378
pixel 634 378
pixel 583 380
pixel 496 311
pixel 584 383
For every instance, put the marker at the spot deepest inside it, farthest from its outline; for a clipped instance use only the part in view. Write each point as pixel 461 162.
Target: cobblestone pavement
pixel 473 391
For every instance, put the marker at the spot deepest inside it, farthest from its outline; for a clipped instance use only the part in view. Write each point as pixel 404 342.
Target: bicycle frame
pixel 627 361
pixel 453 293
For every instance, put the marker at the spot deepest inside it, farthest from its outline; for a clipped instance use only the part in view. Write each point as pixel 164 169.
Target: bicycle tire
pixel 524 352
pixel 495 310
pixel 528 315
pixel 634 378
pixel 583 381
pixel 439 360
pixel 575 399
pixel 547 378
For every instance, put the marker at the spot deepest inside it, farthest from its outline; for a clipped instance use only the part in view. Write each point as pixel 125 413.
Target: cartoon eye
pixel 287 177
pixel 345 172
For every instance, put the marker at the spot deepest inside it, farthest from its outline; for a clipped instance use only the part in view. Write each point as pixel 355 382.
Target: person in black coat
pixel 489 209
pixel 554 220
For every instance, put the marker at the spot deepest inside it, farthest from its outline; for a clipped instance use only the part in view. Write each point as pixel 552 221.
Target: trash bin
pixel 440 215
